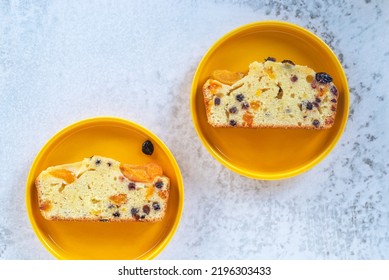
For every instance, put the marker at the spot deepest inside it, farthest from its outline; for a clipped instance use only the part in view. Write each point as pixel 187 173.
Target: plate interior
pixel 268 153
pixel 115 240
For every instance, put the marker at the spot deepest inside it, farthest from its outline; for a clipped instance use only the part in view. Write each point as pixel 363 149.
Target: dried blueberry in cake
pixel 134 211
pixel 294 78
pixel 245 105
pixel 217 101
pixel 156 206
pixel 98 161
pixel 309 106
pixel 316 123
pixel 287 61
pixel 323 78
pixel 131 186
pixel 147 148
pixel 158 184
pixel 233 110
pixel 334 91
pixel 116 214
pixel 239 97
pixel 232 123
pixel 270 59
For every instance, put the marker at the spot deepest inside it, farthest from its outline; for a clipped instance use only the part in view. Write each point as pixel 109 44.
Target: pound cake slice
pixel 272 94
pixel 103 189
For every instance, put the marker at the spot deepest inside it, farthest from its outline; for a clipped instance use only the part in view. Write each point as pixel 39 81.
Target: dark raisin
pixel 156 206
pixel 233 110
pixel 323 78
pixel 245 105
pixel 136 216
pixel 334 91
pixel 316 104
pixel 146 209
pixel 158 184
pixel 318 100
pixel 316 123
pixel 109 164
pixel 333 100
pixel 288 61
pixel 270 59
pixel 131 186
pixel 116 214
pixel 143 216
pixel 147 148
pixel 217 101
pixel 240 97
pixel 294 78
pixel 232 123
pixel 309 105
pixel 134 211
pixel 97 162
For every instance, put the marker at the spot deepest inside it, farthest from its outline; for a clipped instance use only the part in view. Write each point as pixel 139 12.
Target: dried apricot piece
pixel 135 173
pixel 226 77
pixel 118 198
pixel 254 105
pixel 141 173
pixel 149 193
pixel 45 206
pixel 153 169
pixel 64 174
pixel 269 71
pixel 248 119
pixel 162 194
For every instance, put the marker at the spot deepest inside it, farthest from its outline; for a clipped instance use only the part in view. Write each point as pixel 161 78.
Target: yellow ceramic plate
pixel 121 140
pixel 268 153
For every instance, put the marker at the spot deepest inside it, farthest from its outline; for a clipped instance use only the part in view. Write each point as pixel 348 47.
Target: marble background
pixel 62 61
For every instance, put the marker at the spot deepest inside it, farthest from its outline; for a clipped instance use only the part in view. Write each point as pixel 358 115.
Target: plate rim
pixel 154 251
pixel 285 174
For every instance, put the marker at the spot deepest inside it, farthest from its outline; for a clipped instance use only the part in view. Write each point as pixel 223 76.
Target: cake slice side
pixel 103 189
pixel 272 94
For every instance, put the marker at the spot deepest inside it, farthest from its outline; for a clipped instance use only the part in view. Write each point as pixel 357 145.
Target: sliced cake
pixel 103 189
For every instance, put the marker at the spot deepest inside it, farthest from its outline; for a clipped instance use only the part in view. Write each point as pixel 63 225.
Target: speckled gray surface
pixel 62 61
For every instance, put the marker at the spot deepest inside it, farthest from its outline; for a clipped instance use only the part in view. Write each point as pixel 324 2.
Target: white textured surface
pixel 62 61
